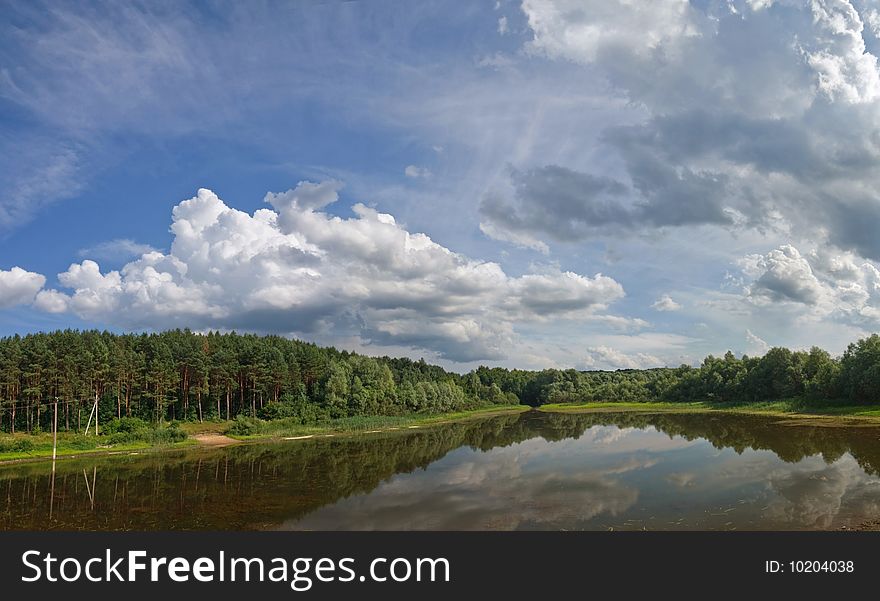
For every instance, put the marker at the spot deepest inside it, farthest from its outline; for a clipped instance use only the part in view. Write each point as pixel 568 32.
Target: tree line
pixel 779 374
pixel 182 375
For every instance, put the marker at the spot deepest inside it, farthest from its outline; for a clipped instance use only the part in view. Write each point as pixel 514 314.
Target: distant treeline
pixel 181 375
pixel 779 374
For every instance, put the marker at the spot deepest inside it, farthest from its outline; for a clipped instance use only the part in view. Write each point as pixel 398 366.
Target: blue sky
pixel 532 184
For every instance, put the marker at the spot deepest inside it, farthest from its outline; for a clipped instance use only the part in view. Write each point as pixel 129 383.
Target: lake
pixel 529 471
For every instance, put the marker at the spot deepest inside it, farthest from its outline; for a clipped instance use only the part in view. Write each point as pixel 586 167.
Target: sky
pixel 595 184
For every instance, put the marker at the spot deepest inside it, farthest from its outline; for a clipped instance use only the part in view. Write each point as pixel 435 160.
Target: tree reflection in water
pixel 531 470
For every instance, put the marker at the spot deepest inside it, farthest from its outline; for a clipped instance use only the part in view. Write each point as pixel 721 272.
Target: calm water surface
pixel 527 471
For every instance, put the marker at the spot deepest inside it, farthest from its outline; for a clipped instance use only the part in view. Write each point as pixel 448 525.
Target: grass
pixel 20 447
pixel 251 429
pixel 25 446
pixel 44 451
pixel 118 436
pixel 795 407
pixel 205 427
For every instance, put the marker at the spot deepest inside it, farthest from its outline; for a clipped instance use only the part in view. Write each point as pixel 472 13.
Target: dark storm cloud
pixel 567 205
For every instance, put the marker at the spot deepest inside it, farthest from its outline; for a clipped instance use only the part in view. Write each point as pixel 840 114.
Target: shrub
pixel 167 435
pixel 278 411
pixel 120 438
pixel 127 425
pixel 133 429
pixel 245 426
pixel 16 445
pixel 79 442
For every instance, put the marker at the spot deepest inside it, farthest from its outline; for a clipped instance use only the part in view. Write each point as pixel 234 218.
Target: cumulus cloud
pixel 756 115
pixel 294 268
pixel 783 275
pixel 872 21
pixel 665 303
pixel 51 301
pixel 603 357
pixel 823 283
pixel 844 67
pixel 19 287
pixel 582 31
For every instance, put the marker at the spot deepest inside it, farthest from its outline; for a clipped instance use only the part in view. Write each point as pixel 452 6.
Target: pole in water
pixel 54 453
pixel 55 435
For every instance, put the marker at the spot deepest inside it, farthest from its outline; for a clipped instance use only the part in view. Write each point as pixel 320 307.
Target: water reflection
pixel 527 471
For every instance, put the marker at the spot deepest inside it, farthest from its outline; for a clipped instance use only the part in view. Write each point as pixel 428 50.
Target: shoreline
pixel 214 434
pixel 204 436
pixel 402 423
pixel 852 416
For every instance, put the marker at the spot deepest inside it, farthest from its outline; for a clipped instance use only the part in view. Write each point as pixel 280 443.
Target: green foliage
pixel 17 445
pixel 296 408
pixel 132 429
pixel 180 375
pixel 78 442
pixel 126 425
pixel 166 435
pixel 245 426
pixel 779 374
pixel 140 380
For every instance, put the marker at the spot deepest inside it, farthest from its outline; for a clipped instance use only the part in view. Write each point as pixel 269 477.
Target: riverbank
pixel 218 434
pixel 247 430
pixel 43 454
pixel 814 413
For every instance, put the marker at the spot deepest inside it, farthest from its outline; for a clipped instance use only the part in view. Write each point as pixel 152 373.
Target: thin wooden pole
pixel 54 453
pixel 55 435
pixel 89 423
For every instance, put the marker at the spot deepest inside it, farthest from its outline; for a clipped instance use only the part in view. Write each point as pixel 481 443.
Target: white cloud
pixel 665 303
pixel 844 67
pixel 756 344
pixel 819 284
pixel 580 30
pixel 759 4
pixel 503 27
pixel 295 269
pixel 19 287
pixel 119 248
pixel 416 172
pixel 556 293
pixel 783 275
pixel 51 301
pixel 872 20
pixel 603 357
pixel 757 116
pixel 520 238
